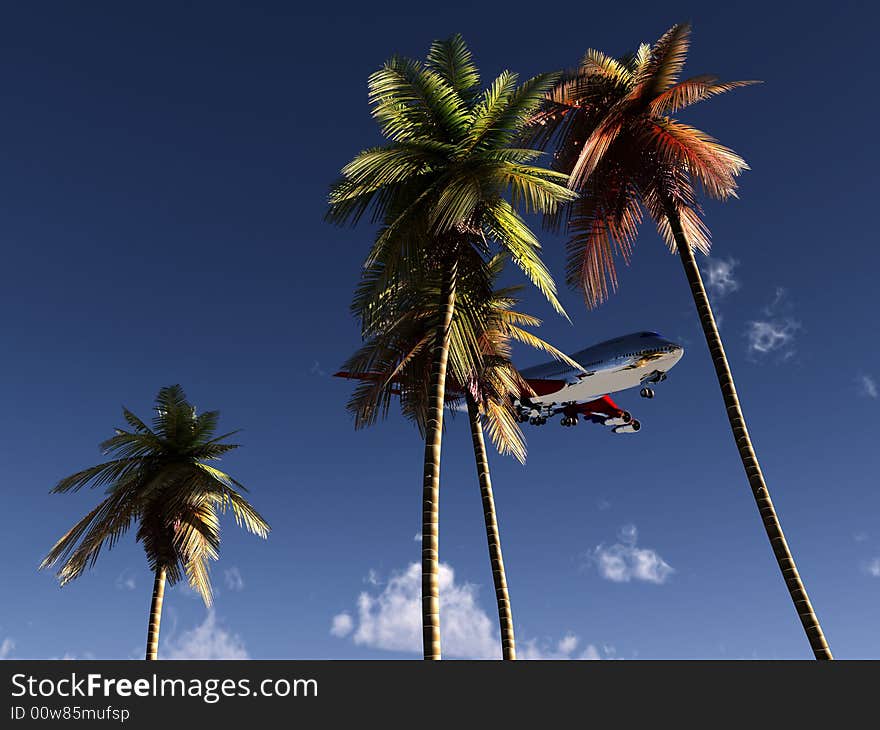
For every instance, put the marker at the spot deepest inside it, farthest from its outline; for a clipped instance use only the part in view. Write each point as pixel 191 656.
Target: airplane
pixel 640 359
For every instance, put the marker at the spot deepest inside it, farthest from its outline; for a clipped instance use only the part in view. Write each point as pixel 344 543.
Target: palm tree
pixel 159 481
pixel 612 127
pixel 447 183
pixel 397 360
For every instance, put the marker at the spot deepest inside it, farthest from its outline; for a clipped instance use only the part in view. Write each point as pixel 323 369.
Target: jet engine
pixel 630 427
pixel 621 420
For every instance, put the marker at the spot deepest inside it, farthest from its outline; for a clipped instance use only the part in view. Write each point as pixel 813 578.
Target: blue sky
pixel 163 174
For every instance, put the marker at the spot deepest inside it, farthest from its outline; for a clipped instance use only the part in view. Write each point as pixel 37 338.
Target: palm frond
pixel 690 91
pixel 453 61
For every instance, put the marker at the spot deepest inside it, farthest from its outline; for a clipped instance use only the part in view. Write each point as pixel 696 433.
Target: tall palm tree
pixel 611 123
pixel 447 183
pixel 159 481
pixel 397 360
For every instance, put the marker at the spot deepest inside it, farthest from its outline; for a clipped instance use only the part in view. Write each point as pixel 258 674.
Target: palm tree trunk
pixel 431 482
pixel 505 617
pixel 155 614
pixel 746 451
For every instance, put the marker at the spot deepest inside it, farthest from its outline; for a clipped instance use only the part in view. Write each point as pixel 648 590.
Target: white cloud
pixel 70 657
pixel 873 567
pixel 392 620
pixel 568 647
pixel 767 336
pixel 7 646
pixel 868 386
pixel 417 537
pixel 208 640
pixel 720 280
pixel 343 624
pixel 774 333
pixel 232 578
pixel 316 369
pixel 372 578
pixel 125 581
pixel 624 561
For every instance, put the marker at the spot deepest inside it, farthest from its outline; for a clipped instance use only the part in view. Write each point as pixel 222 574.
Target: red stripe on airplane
pixel 545 387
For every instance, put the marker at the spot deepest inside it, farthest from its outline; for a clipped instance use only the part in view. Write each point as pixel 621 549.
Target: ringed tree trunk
pixel 431 481
pixel 505 617
pixel 744 445
pixel 155 614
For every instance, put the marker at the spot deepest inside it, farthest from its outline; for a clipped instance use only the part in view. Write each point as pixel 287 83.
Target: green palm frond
pixel 452 60
pixel 162 484
pixel 397 360
pixel 448 161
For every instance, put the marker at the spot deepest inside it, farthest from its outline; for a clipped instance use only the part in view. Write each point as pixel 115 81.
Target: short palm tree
pixel 611 123
pixel 397 360
pixel 446 184
pixel 160 482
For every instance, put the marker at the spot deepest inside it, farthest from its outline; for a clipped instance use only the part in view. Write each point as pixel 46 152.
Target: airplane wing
pixel 606 412
pixel 602 410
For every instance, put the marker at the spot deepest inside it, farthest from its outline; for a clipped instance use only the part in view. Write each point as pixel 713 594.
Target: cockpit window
pixel 650 334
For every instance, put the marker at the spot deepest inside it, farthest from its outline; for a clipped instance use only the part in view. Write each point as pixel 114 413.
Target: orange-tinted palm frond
pixel 703 157
pixel 676 197
pixel 667 59
pixel 593 151
pixel 597 63
pixel 695 231
pixel 604 224
pixel 690 91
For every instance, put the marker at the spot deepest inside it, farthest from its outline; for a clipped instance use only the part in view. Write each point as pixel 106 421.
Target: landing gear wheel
pixel 565 421
pixel 647 393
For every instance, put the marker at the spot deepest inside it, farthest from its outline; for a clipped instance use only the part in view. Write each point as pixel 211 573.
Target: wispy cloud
pixel 391 619
pixel 568 647
pixel 775 332
pixel 720 281
pixel 7 646
pixel 873 567
pixel 208 640
pixel 316 369
pixel 233 579
pixel 719 277
pixel 342 625
pixel 766 336
pixel 624 561
pixel 125 581
pixel 868 386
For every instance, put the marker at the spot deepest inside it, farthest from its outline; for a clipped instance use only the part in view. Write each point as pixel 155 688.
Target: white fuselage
pixel 624 362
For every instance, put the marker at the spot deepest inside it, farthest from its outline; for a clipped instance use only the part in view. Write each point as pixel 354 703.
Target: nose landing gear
pixel 647 392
